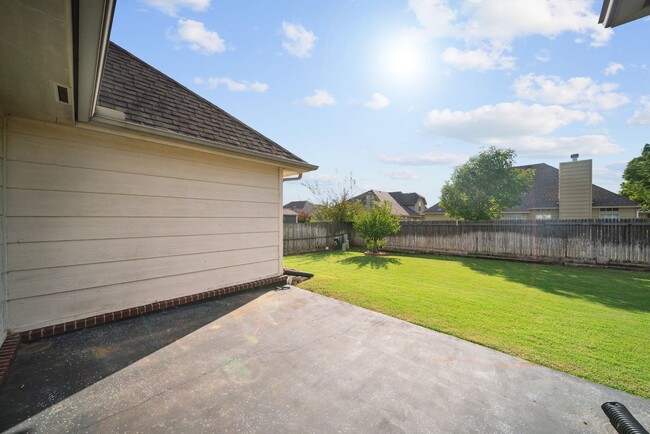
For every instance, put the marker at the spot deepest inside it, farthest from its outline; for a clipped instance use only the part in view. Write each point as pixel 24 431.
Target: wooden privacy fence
pixel 619 242
pixel 310 237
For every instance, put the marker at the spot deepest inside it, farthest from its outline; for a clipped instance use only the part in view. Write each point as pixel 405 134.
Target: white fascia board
pixel 95 20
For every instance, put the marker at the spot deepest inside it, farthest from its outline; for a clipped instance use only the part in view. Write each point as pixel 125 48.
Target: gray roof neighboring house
pixel 399 201
pixel 149 98
pixel 408 199
pixel 301 206
pixel 543 193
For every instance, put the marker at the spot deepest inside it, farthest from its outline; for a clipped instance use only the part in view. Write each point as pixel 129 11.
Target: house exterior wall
pixel 431 217
pixel 3 245
pixel 622 212
pixel 98 222
pixel 544 213
pixel 575 190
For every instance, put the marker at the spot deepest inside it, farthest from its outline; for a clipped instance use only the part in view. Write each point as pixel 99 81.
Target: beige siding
pixel 430 217
pixel 3 237
pixel 98 222
pixel 553 212
pixel 575 190
pixel 623 213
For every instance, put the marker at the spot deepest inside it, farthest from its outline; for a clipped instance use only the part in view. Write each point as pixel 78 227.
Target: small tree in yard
pixel 376 225
pixel 637 179
pixel 334 201
pixel 484 186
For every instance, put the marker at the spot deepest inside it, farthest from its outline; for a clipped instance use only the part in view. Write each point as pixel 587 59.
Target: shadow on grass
pixel 374 262
pixel 628 290
pixel 52 369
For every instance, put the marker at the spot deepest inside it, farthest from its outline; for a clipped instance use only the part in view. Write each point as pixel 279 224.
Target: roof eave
pixel 617 12
pixel 95 18
pixel 297 166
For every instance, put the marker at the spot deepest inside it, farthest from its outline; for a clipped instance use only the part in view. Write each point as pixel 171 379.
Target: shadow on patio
pixel 52 369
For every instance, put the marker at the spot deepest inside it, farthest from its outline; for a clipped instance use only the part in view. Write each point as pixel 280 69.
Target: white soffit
pixel 36 52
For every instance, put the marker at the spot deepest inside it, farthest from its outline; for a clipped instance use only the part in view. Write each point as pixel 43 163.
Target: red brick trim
pixel 7 354
pixel 30 335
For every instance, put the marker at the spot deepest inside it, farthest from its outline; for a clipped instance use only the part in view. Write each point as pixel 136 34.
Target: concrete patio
pixel 290 361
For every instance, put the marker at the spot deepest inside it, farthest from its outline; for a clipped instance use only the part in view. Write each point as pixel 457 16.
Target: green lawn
pixel 592 323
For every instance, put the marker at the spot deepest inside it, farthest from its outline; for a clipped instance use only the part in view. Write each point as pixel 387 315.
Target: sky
pixel 398 93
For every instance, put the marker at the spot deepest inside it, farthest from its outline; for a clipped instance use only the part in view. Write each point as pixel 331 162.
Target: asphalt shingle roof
pixel 301 205
pixel 383 196
pixel 408 199
pixel 543 192
pixel 150 98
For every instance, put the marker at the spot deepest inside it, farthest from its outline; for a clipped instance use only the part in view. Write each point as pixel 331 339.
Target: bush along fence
pixel 586 241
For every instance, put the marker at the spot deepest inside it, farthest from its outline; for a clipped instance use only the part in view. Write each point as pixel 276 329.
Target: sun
pixel 403 59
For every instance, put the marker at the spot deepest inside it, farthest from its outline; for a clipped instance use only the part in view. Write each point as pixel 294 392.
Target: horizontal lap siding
pixel 98 223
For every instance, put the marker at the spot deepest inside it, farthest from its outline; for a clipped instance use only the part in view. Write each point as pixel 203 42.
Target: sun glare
pixel 403 59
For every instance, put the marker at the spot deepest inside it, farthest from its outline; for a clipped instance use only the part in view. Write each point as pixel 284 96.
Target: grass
pixel 593 323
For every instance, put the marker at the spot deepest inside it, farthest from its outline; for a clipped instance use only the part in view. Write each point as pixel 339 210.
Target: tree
pixel 484 186
pixel 376 225
pixel 637 179
pixel 334 204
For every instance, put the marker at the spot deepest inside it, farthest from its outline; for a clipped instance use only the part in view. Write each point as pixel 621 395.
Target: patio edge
pixel 42 332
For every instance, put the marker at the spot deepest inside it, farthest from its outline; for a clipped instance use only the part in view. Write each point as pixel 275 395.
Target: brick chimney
pixel 575 189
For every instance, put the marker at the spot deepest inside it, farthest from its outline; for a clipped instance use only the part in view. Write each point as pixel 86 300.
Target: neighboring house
pixel 567 193
pixel 408 206
pixel 289 216
pixel 299 206
pixel 121 187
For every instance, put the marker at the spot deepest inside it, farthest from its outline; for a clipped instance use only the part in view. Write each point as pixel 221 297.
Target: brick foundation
pixel 30 335
pixel 7 354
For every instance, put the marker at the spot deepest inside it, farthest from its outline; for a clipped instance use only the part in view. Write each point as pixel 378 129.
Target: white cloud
pixel 171 7
pixel 525 128
pixel 435 16
pixel 578 92
pixel 558 147
pixel 642 115
pixel 614 68
pixel 198 37
pixel 543 56
pixel 479 59
pixel 489 27
pixel 232 85
pixel 377 102
pixel 502 21
pixel 492 123
pixel 428 159
pixel 298 41
pixel 320 97
pixel 402 174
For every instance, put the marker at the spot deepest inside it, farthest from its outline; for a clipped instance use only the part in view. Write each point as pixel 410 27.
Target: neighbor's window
pixel 544 216
pixel 609 213
pixel 513 217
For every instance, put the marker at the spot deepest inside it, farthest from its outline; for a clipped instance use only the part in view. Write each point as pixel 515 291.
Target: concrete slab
pixel 294 361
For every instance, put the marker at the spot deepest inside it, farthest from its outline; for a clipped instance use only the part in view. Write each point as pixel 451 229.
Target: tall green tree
pixel 333 202
pixel 637 179
pixel 484 186
pixel 374 226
